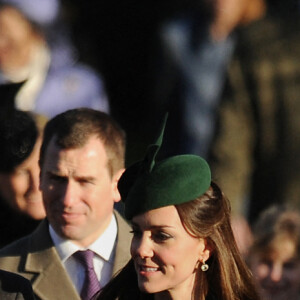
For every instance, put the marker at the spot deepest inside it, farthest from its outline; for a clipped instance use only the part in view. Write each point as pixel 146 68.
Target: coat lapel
pixel 122 255
pixel 43 260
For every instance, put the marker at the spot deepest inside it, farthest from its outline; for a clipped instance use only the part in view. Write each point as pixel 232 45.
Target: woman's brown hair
pixel 228 277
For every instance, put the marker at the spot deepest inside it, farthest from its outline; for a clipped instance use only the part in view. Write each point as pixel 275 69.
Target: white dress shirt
pixel 103 247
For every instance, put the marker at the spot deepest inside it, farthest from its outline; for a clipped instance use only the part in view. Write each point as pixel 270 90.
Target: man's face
pixel 20 188
pixel 78 191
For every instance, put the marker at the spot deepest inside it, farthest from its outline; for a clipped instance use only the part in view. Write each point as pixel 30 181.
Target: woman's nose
pixel 141 247
pixel 34 181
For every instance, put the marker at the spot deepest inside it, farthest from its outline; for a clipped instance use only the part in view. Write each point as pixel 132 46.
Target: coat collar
pixel 44 263
pixel 124 236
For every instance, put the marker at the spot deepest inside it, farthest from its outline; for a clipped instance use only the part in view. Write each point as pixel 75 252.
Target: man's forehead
pixel 90 153
pixel 55 143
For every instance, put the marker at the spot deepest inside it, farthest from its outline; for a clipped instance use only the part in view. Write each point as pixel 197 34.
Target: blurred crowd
pixel 228 73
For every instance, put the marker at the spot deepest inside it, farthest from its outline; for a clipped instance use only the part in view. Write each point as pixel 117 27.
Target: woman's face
pixel 20 188
pixel 165 255
pixel 278 271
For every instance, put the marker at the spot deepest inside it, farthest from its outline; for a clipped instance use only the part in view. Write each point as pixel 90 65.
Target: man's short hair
pixel 73 128
pixel 18 135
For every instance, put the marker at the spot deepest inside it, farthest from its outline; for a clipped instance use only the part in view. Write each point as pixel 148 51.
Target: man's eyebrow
pixel 54 172
pixel 83 177
pixel 57 173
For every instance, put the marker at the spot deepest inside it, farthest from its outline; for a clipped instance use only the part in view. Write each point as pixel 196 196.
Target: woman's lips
pixel 145 270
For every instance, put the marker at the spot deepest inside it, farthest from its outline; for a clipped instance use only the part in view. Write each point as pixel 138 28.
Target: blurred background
pixel 214 65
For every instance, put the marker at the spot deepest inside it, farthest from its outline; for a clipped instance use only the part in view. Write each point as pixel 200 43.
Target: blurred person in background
pixel 275 254
pixel 35 49
pixel 255 152
pixel 197 47
pixel 21 202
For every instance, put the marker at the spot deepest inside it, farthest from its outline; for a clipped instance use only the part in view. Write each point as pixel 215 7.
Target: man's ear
pixel 115 179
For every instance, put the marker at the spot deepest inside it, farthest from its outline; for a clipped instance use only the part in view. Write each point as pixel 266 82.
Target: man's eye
pixel 85 181
pixel 57 178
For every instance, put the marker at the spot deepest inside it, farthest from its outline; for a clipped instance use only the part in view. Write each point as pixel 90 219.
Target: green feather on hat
pixel 148 184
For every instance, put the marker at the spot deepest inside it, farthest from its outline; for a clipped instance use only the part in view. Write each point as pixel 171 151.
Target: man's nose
pixel 69 194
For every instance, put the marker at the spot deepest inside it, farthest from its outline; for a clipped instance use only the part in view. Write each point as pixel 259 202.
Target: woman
pixel 21 203
pixel 275 255
pixel 183 246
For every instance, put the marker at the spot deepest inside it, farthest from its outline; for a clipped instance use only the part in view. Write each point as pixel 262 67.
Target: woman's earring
pixel 204 267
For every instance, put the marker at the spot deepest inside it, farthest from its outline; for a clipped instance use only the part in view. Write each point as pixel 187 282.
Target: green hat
pixel 149 184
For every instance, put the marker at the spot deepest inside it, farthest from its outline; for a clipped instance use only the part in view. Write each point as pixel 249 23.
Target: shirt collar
pixel 103 246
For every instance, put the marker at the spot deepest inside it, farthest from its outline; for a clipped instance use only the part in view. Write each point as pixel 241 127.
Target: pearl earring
pixel 204 267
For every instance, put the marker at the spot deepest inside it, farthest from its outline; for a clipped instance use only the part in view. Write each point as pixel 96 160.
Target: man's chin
pixel 70 232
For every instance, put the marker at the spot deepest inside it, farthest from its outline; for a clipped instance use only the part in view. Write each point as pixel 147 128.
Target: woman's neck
pixel 166 295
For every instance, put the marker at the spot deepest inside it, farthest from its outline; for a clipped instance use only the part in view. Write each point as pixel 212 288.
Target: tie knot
pixel 85 258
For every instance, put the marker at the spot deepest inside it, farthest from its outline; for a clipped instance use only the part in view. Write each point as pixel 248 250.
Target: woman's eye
pixel 136 233
pixel 161 236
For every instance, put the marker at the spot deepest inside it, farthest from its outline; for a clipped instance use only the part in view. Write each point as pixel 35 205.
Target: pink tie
pixel 91 283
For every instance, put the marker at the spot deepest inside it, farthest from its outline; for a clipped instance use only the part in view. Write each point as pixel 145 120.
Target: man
pixel 21 203
pixel 81 160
